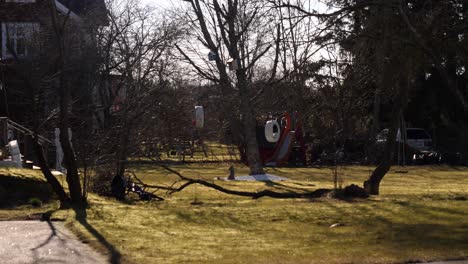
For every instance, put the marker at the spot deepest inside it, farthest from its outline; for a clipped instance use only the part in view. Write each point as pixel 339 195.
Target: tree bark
pixel 254 195
pixel 54 183
pixel 381 52
pixel 122 154
pixel 250 125
pixel 73 179
pixel 372 185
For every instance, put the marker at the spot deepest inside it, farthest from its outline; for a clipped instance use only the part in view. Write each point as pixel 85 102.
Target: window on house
pixel 16 39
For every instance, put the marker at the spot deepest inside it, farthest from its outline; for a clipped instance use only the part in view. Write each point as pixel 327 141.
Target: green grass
pixel 215 152
pixel 420 215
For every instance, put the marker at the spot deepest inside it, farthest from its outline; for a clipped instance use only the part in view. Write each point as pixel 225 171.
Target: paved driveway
pixel 43 242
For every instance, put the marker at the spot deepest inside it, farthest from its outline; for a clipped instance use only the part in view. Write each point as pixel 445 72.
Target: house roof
pixel 82 6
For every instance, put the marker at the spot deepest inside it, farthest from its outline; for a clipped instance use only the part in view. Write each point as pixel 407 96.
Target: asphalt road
pixel 43 242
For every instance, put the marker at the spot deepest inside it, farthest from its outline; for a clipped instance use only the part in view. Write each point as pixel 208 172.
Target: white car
pixel 416 138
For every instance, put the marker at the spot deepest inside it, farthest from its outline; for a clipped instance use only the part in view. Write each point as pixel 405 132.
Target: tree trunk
pixel 73 178
pixel 376 113
pixel 372 185
pixel 384 80
pixel 54 183
pixel 250 125
pixel 122 153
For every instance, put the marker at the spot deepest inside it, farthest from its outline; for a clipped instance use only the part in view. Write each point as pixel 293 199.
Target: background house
pixel 28 57
pixel 24 25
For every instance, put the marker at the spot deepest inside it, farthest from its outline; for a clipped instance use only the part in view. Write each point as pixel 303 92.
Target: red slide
pixel 284 150
pixel 284 146
pixel 279 145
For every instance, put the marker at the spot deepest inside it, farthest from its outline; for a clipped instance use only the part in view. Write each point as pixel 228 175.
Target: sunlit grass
pixel 209 152
pixel 420 215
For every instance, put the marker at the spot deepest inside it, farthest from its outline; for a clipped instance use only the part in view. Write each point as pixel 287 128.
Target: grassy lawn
pixel 211 152
pixel 24 194
pixel 420 215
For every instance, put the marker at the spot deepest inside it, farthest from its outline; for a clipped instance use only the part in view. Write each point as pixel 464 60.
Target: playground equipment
pixel 285 146
pixel 272 131
pixel 185 143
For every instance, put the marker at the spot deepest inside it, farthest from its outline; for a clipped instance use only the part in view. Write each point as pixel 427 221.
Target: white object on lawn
pixel 272 131
pixel 199 116
pixel 15 153
pixel 10 135
pixel 259 177
pixel 58 151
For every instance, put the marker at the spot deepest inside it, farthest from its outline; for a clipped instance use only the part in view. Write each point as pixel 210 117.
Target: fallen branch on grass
pixel 351 191
pixel 255 195
pixel 157 187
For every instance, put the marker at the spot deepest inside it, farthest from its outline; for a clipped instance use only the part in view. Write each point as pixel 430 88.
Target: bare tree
pixel 137 60
pixel 239 34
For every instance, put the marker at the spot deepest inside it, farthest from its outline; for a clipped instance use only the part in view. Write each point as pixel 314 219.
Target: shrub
pixel 35 202
pixel 100 183
pixel 3 193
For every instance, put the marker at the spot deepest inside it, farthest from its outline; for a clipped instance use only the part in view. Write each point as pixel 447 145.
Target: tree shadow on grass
pixel 409 228
pixel 289 188
pixel 81 217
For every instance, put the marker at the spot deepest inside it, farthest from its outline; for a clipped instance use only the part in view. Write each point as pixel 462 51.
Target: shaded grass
pixel 24 194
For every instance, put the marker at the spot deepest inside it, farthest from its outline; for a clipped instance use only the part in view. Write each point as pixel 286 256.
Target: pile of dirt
pixel 354 191
pixel 348 193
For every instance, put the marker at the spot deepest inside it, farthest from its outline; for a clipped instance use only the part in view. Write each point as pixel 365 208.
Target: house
pixel 22 22
pixel 26 30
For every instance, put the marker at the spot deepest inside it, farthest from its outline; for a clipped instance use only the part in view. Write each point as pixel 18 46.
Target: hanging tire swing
pixel 272 131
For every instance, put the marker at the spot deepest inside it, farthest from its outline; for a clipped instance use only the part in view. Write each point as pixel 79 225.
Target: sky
pixel 162 3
